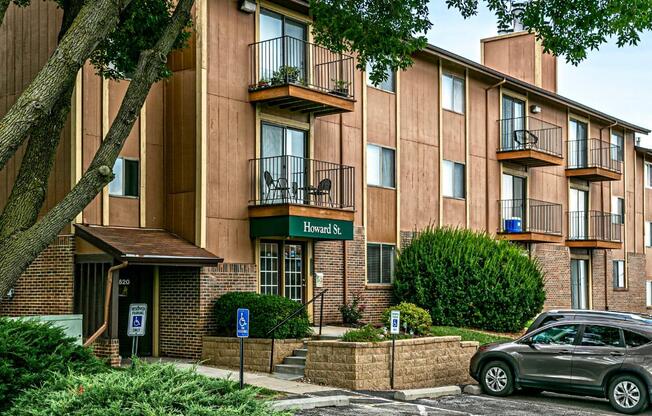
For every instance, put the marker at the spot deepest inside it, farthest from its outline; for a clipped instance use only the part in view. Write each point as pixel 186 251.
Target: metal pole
pixel 321 312
pixel 271 358
pixel 241 363
pixel 391 375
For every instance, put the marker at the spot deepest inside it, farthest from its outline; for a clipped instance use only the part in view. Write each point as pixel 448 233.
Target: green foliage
pixel 32 352
pixel 286 74
pixel 352 312
pixel 414 319
pixel 468 279
pixel 466 334
pixel 365 334
pixel 142 390
pixel 265 311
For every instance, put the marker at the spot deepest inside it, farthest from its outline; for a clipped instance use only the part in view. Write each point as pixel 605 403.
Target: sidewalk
pixel 255 379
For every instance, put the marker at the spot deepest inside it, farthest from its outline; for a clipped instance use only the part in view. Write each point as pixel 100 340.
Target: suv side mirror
pixel 527 341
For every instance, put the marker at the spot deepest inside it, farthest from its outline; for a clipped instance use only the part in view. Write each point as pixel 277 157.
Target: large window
pixel 648 175
pixel 617 146
pixel 380 166
pixel 619 274
pixel 452 93
pixel 453 182
pixel 648 234
pixel 125 182
pixel 380 263
pixel 618 210
pixel 580 284
pixel 389 84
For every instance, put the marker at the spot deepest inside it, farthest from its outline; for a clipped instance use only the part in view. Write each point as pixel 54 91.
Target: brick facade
pixel 555 263
pixel 46 287
pixel 108 349
pixel 633 297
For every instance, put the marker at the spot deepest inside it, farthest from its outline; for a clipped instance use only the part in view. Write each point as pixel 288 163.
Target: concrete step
pixel 289 377
pixel 289 369
pixel 295 360
pixel 302 352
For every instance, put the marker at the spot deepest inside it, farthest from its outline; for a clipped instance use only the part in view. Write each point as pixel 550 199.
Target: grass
pixel 467 334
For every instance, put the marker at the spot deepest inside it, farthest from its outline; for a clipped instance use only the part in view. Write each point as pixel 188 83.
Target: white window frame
pixel 618 216
pixel 619 275
pixel 119 178
pixel 648 234
pixel 380 173
pixel 448 180
pixel 451 103
pixel 648 293
pixel 382 246
pixel 617 140
pixel 648 175
pixel 389 85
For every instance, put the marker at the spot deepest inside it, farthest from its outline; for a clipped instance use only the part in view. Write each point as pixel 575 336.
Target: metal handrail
pixel 530 133
pixel 292 315
pixel 592 153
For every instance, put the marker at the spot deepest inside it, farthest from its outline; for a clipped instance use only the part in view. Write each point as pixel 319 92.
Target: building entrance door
pixel 135 286
pixel 579 284
pixel 282 270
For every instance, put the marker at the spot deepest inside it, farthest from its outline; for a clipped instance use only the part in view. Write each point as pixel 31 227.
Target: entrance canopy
pixel 146 246
pixel 290 226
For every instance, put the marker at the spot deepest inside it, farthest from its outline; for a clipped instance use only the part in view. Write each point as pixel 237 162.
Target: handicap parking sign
pixel 395 322
pixel 242 323
pixel 137 319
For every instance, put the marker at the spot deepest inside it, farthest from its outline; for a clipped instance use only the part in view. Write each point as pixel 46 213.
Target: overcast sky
pixel 617 81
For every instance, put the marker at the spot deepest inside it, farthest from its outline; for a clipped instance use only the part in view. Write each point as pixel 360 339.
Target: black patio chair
pixel 323 189
pixel 275 186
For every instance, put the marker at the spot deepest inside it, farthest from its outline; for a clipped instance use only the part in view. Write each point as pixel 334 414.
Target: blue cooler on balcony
pixel 513 225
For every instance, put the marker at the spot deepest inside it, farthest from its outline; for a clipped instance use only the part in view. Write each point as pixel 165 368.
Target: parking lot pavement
pixel 548 404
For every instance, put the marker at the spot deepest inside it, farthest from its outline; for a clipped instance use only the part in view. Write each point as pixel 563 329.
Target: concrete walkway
pixel 255 379
pixel 331 332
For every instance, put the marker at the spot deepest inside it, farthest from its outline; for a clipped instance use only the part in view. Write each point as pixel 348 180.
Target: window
pixel 619 274
pixel 452 93
pixel 648 234
pixel 380 263
pixel 617 147
pixel 580 284
pixel 125 182
pixel 618 210
pixel 648 175
pixel 453 183
pixel 601 336
pixel 648 293
pixel 557 335
pixel 633 340
pixel 380 166
pixel 389 84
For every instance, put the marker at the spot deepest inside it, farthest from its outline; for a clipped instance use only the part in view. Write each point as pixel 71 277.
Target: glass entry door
pixel 578 152
pixel 282 269
pixel 579 215
pixel 283 164
pixel 513 196
pixel 579 284
pixel 513 124
pixel 283 48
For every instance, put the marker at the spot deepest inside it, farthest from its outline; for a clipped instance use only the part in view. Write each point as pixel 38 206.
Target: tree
pixel 133 37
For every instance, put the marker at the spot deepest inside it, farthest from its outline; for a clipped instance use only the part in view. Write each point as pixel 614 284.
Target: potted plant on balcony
pixel 262 83
pixel 341 87
pixel 286 74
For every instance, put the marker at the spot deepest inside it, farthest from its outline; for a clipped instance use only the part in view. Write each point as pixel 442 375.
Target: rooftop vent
pixel 516 9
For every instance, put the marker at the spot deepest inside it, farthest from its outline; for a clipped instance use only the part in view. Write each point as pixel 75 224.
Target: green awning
pixel 301 227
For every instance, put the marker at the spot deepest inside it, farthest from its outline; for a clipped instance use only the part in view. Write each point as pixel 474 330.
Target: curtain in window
pixel 388 168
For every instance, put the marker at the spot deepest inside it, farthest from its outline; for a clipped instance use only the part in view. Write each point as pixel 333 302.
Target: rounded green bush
pixel 32 352
pixel 265 311
pixel 415 319
pixel 154 389
pixel 469 279
pixel 365 334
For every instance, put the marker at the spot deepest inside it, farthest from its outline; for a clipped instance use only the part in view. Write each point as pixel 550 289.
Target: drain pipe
pixel 107 303
pixel 486 129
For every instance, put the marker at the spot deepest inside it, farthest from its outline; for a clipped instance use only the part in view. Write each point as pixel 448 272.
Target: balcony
pixel 530 221
pixel 593 160
pixel 594 229
pixel 299 76
pixel 304 198
pixel 530 142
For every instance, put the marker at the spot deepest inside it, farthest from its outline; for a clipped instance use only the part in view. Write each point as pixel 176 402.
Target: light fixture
pixel 535 109
pixel 247 6
pixel 10 294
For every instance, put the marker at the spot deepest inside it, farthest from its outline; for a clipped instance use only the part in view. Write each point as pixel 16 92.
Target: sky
pixel 617 81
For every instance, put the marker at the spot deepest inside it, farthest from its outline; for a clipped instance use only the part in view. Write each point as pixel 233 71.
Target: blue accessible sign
pixel 137 319
pixel 242 324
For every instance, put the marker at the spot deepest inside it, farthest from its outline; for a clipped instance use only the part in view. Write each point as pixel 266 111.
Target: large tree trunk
pixel 94 22
pixel 22 248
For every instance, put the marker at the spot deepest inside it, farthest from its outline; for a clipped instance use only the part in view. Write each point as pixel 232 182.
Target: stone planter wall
pixel 225 352
pixel 419 363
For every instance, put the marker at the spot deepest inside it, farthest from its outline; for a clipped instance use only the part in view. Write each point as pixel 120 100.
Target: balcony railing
pixel 529 133
pixel 297 180
pixel 593 153
pixel 287 60
pixel 530 216
pixel 594 225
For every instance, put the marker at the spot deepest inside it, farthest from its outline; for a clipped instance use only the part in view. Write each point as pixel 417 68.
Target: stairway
pixel 293 366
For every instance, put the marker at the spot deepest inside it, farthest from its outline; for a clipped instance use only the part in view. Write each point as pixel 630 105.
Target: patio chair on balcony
pixel 275 187
pixel 525 139
pixel 322 190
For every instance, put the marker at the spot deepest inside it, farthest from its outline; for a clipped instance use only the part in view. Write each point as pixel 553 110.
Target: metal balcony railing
pixel 530 133
pixel 594 225
pixel 287 60
pixel 594 153
pixel 530 216
pixel 297 180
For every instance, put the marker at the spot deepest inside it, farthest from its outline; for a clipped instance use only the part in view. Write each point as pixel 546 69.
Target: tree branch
pixel 94 22
pixel 22 248
pixel 4 5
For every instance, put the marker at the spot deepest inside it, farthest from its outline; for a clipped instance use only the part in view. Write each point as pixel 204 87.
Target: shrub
pixel 468 279
pixel 352 312
pixel 414 319
pixel 142 390
pixel 265 311
pixel 365 334
pixel 31 352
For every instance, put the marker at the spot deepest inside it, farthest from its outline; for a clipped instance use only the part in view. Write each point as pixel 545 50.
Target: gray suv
pixel 590 357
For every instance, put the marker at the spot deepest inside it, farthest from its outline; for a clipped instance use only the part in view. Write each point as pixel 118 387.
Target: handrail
pixel 292 315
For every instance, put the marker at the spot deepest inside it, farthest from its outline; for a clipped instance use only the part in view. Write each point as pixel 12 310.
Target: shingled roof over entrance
pixel 146 246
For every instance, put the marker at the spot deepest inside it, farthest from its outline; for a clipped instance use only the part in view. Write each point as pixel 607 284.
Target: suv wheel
pixel 496 379
pixel 628 394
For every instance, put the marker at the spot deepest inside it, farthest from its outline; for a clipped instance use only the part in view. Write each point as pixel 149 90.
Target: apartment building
pixel 268 163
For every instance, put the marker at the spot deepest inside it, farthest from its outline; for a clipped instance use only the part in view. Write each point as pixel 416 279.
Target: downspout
pixel 107 303
pixel 341 187
pixel 486 129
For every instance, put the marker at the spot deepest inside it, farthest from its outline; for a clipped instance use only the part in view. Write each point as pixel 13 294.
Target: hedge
pixel 413 318
pixel 265 311
pixel 469 279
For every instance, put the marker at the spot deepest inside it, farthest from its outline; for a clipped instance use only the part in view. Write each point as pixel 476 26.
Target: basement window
pixel 126 180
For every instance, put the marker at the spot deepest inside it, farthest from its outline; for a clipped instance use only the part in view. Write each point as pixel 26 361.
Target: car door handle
pixel 616 354
pixel 565 352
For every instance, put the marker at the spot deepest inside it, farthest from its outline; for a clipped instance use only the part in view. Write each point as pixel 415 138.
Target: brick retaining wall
pixel 420 363
pixel 225 352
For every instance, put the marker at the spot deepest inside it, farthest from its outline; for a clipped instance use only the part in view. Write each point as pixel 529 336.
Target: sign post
pixel 136 327
pixel 242 331
pixel 395 326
